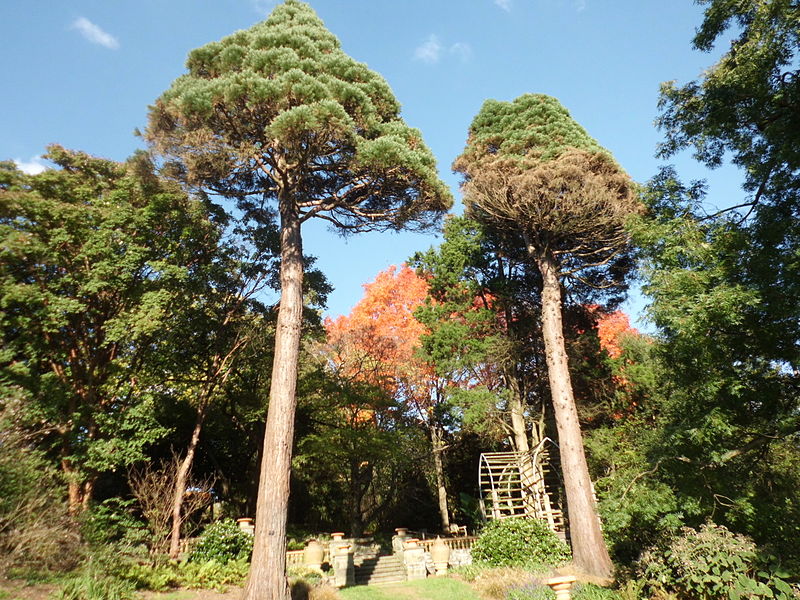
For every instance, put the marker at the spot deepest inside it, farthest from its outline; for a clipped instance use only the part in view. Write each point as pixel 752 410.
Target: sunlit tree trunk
pixel 267 580
pixel 588 547
pixel 181 478
pixel 437 442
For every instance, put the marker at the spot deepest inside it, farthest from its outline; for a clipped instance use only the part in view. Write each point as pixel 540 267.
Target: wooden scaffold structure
pixel 514 484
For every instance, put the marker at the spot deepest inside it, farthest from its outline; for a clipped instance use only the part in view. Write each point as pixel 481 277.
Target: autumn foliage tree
pixel 379 343
pixel 280 114
pixel 530 170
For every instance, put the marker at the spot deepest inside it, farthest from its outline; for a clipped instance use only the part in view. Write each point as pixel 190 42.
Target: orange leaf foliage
pixel 611 328
pixel 377 341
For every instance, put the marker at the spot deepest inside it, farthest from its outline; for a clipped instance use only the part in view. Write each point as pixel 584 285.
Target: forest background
pixel 109 269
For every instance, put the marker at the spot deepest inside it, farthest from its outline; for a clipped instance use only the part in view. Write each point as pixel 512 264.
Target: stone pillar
pixel 414 560
pixel 401 535
pixel 562 586
pixel 344 572
pixel 336 541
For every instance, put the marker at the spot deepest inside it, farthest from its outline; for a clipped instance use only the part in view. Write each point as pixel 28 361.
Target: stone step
pixel 383 569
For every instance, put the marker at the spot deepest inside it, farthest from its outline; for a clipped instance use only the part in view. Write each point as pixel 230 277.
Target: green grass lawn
pixel 432 588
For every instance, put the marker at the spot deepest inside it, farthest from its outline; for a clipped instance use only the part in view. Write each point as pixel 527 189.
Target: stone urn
pixel 562 586
pixel 246 525
pixel 440 554
pixel 313 554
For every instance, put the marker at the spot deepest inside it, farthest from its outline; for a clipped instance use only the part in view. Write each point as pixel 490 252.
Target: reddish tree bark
pixel 267 580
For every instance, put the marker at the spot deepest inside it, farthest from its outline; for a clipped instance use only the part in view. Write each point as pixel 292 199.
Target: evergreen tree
pixel 280 114
pixel 95 255
pixel 530 170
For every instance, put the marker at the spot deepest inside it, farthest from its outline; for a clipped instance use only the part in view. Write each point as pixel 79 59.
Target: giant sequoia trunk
pixel 588 547
pixel 267 580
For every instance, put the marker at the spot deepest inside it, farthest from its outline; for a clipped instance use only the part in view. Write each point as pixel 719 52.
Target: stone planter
pixel 562 586
pixel 313 554
pixel 440 554
pixel 246 525
pixel 401 534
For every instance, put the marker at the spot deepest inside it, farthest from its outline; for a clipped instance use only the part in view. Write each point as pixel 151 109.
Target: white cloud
pixel 94 34
pixel 580 5
pixel 31 167
pixel 263 7
pixel 429 51
pixel 462 50
pixel 504 4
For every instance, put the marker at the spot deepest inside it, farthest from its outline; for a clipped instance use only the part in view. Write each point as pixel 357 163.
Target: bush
pixel 519 542
pixel 213 574
pixel 36 531
pixel 498 582
pixel 223 542
pixel 112 522
pixel 580 591
pixel 710 564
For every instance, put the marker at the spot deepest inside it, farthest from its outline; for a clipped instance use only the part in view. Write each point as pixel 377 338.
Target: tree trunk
pixel 588 547
pixel 357 490
pixel 267 579
pixel 437 441
pixel 180 483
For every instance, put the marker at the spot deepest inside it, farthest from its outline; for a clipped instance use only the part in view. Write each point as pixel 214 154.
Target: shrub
pixel 112 522
pixel 710 564
pixel 222 542
pixel 519 542
pixel 498 583
pixel 213 574
pixel 580 591
pixel 36 530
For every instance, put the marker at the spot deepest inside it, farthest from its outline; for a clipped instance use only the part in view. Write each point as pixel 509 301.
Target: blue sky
pixel 82 74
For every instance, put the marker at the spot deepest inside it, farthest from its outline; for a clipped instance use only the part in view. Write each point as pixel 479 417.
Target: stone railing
pixel 295 558
pixel 456 543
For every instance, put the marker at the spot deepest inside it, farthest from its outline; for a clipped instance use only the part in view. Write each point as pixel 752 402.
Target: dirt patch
pixel 14 589
pixel 232 593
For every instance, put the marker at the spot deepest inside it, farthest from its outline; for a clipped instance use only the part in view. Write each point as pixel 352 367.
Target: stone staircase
pixel 380 569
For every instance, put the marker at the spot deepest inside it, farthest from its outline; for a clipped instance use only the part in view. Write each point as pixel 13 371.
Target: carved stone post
pixel 414 560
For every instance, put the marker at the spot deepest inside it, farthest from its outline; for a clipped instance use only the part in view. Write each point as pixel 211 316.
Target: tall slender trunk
pixel 180 481
pixel 357 490
pixel 437 441
pixel 517 410
pixel 588 547
pixel 267 579
pixel 522 446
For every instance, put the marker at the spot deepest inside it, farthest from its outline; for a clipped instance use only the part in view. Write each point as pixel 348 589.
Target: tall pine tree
pixel 278 115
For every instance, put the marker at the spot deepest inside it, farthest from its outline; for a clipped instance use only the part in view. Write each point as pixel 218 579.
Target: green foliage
pixel 96 586
pixel 291 96
pixel 212 574
pixel 222 542
pixel 580 591
pixel 309 577
pixel 533 125
pixel 711 563
pixel 113 522
pixel 35 529
pixel 519 542
pixel 724 417
pixel 94 257
pixel 156 577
